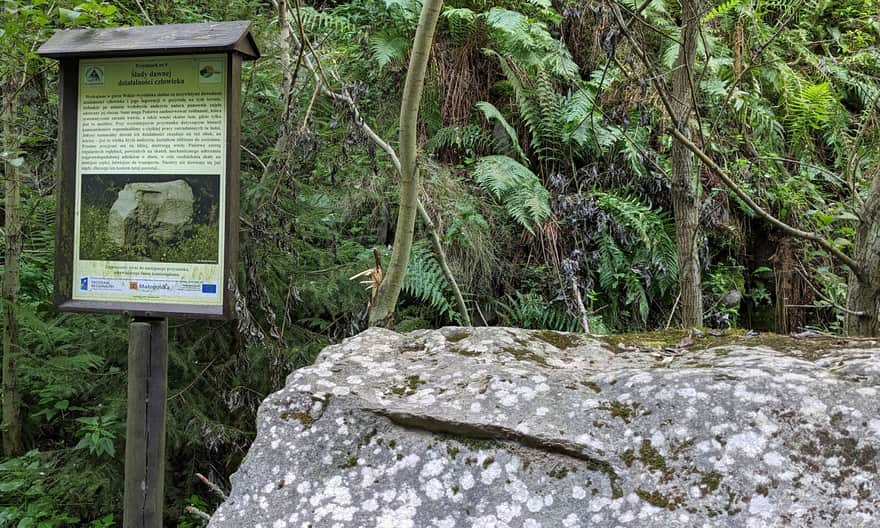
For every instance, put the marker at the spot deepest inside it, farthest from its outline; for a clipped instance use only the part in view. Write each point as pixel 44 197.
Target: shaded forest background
pixel 546 168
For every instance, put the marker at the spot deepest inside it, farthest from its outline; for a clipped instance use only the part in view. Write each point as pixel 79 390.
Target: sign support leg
pixel 145 424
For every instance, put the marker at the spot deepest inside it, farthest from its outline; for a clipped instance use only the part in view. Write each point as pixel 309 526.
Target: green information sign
pixel 151 161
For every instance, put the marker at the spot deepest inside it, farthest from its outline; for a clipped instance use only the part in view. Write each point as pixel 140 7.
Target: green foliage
pixel 425 282
pixel 389 47
pixel 527 41
pixel 518 188
pixel 490 112
pixel 810 109
pixel 97 435
pixel 643 265
pixel 467 140
pixel 721 9
pixel 530 310
pixel 26 493
pixel 316 21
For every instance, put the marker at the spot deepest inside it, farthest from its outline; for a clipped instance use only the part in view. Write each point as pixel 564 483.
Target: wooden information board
pixel 148 197
pixel 147 203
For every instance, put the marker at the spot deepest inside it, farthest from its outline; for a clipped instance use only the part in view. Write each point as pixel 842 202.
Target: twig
pixel 213 487
pixel 193 382
pixel 674 307
pixel 803 273
pixel 192 510
pixel 585 320
pixel 444 265
pixel 263 165
pixel 144 12
pixel 480 313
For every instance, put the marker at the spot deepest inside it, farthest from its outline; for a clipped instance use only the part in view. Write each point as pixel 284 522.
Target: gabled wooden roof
pixel 171 39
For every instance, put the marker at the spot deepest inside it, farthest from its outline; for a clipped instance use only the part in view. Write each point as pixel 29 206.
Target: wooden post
pixel 145 424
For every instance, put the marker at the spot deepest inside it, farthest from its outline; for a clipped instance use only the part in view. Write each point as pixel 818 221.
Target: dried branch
pixel 192 510
pixel 217 490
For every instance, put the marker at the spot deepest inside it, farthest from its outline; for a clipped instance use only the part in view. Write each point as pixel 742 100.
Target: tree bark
pixel 686 188
pixel 12 434
pixel 864 289
pixel 386 301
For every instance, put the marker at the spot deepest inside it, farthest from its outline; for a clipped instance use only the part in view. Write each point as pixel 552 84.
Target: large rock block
pixel 495 427
pixel 151 212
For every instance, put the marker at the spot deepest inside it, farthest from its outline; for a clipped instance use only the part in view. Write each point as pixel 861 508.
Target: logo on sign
pixel 84 284
pixel 209 288
pixel 133 285
pixel 210 72
pixel 94 76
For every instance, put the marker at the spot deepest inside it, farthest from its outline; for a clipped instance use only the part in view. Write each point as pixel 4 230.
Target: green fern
pixel 315 21
pixel 721 9
pixel 645 264
pixel 809 110
pixel 762 119
pixel 467 139
pixel 425 281
pixel 532 311
pixel 490 112
pixel 812 106
pixel 518 188
pixel 389 46
pixel 528 43
pixel 461 23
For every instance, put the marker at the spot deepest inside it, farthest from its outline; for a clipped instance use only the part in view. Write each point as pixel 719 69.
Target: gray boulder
pixel 497 427
pixel 151 212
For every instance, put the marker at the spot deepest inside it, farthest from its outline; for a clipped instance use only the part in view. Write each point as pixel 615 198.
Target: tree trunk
pixel 12 437
pixel 386 301
pixel 685 180
pixel 864 289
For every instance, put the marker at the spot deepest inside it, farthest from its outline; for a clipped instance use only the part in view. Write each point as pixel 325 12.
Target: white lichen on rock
pixel 513 428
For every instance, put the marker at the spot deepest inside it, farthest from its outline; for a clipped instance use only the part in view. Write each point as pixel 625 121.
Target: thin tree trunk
pixel 288 76
pixel 864 291
pixel 12 434
pixel 685 180
pixel 386 301
pixel 382 144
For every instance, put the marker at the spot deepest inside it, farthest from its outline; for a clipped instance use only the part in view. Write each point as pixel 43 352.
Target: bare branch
pixel 213 487
pixel 198 513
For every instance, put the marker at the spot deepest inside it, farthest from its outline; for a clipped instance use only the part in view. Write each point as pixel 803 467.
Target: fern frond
pixel 467 139
pixel 315 21
pixel 425 281
pixel 721 9
pixel 532 311
pixel 388 46
pixel 812 106
pixel 490 112
pixel 517 187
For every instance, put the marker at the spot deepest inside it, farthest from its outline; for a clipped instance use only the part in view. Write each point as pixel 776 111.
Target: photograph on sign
pixel 150 218
pixel 150 173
